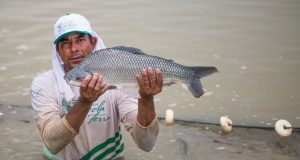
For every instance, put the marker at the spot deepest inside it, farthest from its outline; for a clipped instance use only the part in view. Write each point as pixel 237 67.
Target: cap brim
pixel 67 33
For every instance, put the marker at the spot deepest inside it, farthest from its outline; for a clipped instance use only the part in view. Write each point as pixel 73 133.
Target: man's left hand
pixel 150 82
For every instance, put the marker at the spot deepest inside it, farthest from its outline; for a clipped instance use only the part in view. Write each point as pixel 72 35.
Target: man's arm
pixel 150 83
pixel 58 133
pixel 146 130
pixel 90 91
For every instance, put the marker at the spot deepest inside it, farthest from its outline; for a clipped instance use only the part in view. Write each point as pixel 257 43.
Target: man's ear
pixel 94 42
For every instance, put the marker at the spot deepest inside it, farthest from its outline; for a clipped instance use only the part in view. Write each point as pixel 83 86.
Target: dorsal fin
pixel 129 49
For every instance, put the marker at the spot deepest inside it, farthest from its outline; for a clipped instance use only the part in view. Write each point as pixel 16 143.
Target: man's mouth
pixel 76 59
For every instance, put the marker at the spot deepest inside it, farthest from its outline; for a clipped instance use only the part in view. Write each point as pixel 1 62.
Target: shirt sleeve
pixel 144 137
pixel 54 129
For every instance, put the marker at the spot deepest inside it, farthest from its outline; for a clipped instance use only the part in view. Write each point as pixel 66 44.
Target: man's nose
pixel 74 46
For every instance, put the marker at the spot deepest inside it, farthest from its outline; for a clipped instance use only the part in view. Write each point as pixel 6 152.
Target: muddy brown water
pixel 255 45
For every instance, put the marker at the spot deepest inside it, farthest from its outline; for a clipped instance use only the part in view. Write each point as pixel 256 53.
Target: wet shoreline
pixel 20 139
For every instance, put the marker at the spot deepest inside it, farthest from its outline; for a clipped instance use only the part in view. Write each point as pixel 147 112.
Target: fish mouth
pixel 74 83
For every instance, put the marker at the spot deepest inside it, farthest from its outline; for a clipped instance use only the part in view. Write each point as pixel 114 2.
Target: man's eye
pixel 65 43
pixel 81 39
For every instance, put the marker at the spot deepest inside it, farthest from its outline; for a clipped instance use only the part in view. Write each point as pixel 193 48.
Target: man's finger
pixel 151 77
pixel 93 82
pixel 145 79
pixel 103 90
pixel 159 77
pixel 85 82
pixel 139 80
pixel 99 83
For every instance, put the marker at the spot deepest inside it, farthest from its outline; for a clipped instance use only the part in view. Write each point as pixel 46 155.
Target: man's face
pixel 73 48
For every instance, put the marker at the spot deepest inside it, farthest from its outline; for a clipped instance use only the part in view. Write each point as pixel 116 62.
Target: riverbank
pixel 20 140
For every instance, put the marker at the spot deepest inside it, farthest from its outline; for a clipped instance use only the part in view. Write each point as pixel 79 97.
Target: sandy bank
pixel 19 139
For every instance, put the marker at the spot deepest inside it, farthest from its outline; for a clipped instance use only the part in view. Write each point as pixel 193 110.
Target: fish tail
pixel 203 71
pixel 194 85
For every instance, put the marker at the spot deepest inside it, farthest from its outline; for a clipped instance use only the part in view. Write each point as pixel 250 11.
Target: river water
pixel 254 44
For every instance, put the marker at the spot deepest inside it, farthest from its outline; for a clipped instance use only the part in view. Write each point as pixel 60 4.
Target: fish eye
pixel 77 78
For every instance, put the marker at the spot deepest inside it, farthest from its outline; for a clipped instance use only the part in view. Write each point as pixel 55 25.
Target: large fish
pixel 119 65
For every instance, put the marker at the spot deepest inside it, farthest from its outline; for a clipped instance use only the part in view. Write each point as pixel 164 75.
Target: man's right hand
pixel 91 88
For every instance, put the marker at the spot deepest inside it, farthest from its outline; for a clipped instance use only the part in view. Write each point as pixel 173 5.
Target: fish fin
pixel 133 93
pixel 195 87
pixel 129 49
pixel 202 71
pixel 169 83
pixel 109 87
pixel 112 87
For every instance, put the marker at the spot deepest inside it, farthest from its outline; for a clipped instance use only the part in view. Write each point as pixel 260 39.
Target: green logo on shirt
pixel 96 113
pixel 68 105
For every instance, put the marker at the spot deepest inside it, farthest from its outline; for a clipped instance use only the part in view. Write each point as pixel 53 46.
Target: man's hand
pixel 150 82
pixel 91 88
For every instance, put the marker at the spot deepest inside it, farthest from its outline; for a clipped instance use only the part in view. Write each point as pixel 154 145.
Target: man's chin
pixel 75 64
pixel 72 65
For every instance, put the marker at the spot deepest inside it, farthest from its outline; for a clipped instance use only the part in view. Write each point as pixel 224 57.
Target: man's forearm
pixel 58 133
pixel 145 137
pixel 77 114
pixel 146 111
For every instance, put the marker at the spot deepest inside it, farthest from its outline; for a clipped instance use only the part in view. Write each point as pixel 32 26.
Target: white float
pixel 226 124
pixel 169 117
pixel 283 127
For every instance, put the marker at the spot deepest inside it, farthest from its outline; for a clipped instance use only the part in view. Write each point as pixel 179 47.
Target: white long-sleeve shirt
pixel 100 136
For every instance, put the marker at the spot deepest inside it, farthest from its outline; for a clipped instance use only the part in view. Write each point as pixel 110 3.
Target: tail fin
pixel 195 85
pixel 201 71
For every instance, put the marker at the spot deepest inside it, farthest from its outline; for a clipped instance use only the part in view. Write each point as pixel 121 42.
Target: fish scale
pixel 119 65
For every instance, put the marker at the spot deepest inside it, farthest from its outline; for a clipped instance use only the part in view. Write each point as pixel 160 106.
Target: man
pixel 84 122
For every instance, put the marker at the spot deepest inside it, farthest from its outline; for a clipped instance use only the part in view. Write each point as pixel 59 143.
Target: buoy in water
pixel 226 124
pixel 169 117
pixel 283 128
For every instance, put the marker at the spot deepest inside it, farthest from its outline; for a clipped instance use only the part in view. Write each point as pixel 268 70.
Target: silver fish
pixel 119 65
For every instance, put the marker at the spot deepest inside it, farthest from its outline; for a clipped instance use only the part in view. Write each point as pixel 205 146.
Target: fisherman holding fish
pixel 84 122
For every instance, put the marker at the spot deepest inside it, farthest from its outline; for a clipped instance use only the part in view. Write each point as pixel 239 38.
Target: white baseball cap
pixel 70 23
